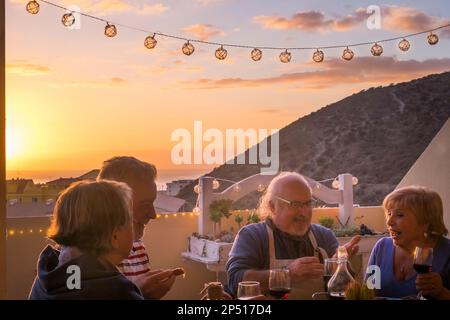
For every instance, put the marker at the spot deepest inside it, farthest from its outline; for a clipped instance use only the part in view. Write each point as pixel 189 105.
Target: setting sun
pixel 14 143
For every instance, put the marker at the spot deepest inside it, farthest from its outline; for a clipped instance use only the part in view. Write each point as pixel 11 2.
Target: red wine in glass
pixel 422 268
pixel 279 283
pixel 423 262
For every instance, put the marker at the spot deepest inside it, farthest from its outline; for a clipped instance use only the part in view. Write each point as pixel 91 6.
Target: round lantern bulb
pixel 150 42
pixel 33 7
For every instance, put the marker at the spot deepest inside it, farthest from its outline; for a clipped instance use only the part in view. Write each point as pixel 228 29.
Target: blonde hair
pixel 87 213
pixel 126 169
pixel 425 203
pixel 272 190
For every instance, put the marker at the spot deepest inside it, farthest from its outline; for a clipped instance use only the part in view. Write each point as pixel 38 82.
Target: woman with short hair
pixel 92 225
pixel 414 218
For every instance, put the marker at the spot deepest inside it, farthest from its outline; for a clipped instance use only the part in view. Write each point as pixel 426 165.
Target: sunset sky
pixel 76 97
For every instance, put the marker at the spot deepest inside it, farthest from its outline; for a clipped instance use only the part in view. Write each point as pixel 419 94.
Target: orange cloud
pixel 108 7
pixel 107 83
pixel 203 31
pixel 27 69
pixel 311 21
pixel 393 18
pixel 337 72
pixel 396 18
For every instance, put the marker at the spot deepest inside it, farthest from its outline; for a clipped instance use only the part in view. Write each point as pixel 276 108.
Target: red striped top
pixel 137 262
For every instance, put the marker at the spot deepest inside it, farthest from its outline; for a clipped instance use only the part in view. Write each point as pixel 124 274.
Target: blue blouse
pixel 383 256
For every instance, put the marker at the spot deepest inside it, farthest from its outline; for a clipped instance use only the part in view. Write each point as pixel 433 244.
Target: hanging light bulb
pixel 256 54
pixel 354 181
pixel 285 56
pixel 318 56
pixel 110 30
pixel 150 42
pixel 33 7
pixel 348 54
pixel 376 50
pixel 215 184
pixel 404 45
pixel 188 48
pixel 197 189
pixel 237 189
pixel 196 211
pixel 68 19
pixel 221 53
pixel 335 184
pixel 261 188
pixel 317 186
pixel 433 38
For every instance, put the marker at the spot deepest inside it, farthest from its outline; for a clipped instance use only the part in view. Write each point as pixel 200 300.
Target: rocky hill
pixel 376 135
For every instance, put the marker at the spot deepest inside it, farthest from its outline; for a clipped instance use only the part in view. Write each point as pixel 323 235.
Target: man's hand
pixel 430 284
pixel 156 283
pixel 352 246
pixel 305 268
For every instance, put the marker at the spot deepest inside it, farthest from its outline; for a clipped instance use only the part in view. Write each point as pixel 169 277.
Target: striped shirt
pixel 137 262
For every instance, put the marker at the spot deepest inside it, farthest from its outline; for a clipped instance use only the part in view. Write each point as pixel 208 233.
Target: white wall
pixel 432 169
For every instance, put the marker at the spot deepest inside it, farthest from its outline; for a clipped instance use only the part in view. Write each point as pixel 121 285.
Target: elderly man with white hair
pixel 286 238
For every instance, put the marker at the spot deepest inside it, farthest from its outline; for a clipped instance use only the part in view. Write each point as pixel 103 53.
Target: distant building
pixel 166 204
pixel 174 187
pixel 26 191
pixel 27 210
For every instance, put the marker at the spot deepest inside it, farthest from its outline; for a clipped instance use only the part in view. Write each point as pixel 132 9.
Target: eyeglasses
pixel 299 204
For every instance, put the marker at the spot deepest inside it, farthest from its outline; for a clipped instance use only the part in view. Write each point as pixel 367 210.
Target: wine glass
pixel 330 267
pixel 279 283
pixel 248 290
pixel 423 262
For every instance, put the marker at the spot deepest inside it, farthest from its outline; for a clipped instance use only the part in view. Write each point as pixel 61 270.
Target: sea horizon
pixel 44 176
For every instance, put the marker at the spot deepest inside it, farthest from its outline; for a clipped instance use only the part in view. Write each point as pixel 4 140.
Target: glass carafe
pixel 342 278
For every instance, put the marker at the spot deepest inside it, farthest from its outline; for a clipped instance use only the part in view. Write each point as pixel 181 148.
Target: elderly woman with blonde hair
pixel 92 227
pixel 414 218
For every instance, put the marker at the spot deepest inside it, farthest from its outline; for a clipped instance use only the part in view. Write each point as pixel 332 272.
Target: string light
pixel 318 56
pixel 376 50
pixel 188 48
pixel 354 181
pixel 197 189
pixel 404 45
pixel 166 216
pixel 196 210
pixel 285 56
pixel 221 53
pixel 110 30
pixel 433 38
pixel 215 184
pixel 11 232
pixel 33 7
pixel 68 19
pixel 150 42
pixel 261 188
pixel 256 54
pixel 237 189
pixel 348 54
pixel 40 230
pixel 335 184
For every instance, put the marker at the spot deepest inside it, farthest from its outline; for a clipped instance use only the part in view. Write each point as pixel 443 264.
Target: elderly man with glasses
pixel 285 239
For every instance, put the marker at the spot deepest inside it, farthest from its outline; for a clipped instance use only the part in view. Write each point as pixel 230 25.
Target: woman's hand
pixel 430 284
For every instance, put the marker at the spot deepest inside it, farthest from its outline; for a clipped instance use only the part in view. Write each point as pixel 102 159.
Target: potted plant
pixel 219 209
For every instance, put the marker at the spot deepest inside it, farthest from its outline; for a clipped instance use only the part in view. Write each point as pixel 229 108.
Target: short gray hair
pixel 126 169
pixel 264 202
pixel 87 213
